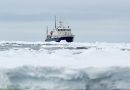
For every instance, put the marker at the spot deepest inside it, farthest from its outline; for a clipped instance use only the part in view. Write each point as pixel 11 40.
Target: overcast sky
pixel 90 20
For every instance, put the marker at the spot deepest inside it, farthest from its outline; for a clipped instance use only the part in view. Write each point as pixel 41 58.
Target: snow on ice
pixel 88 66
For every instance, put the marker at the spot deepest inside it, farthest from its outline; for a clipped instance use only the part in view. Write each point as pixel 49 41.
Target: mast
pixel 55 22
pixel 47 31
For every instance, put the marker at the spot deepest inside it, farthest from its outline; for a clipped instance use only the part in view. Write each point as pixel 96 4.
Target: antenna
pixel 47 31
pixel 55 21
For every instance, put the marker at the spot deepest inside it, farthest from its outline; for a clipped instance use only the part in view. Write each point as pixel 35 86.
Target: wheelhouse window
pixel 64 29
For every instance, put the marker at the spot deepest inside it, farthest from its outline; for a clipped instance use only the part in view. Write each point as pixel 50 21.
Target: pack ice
pixel 66 66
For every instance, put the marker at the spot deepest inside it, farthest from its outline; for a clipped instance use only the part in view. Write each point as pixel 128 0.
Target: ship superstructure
pixel 59 33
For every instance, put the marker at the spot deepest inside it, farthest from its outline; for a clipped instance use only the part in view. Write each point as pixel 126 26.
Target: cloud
pixel 73 9
pixel 91 19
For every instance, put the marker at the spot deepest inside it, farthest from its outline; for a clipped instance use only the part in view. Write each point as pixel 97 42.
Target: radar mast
pixel 55 23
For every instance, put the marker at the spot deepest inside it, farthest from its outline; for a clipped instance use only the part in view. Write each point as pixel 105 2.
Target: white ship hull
pixel 60 33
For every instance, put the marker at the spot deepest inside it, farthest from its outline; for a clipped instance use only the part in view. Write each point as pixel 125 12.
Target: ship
pixel 60 32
